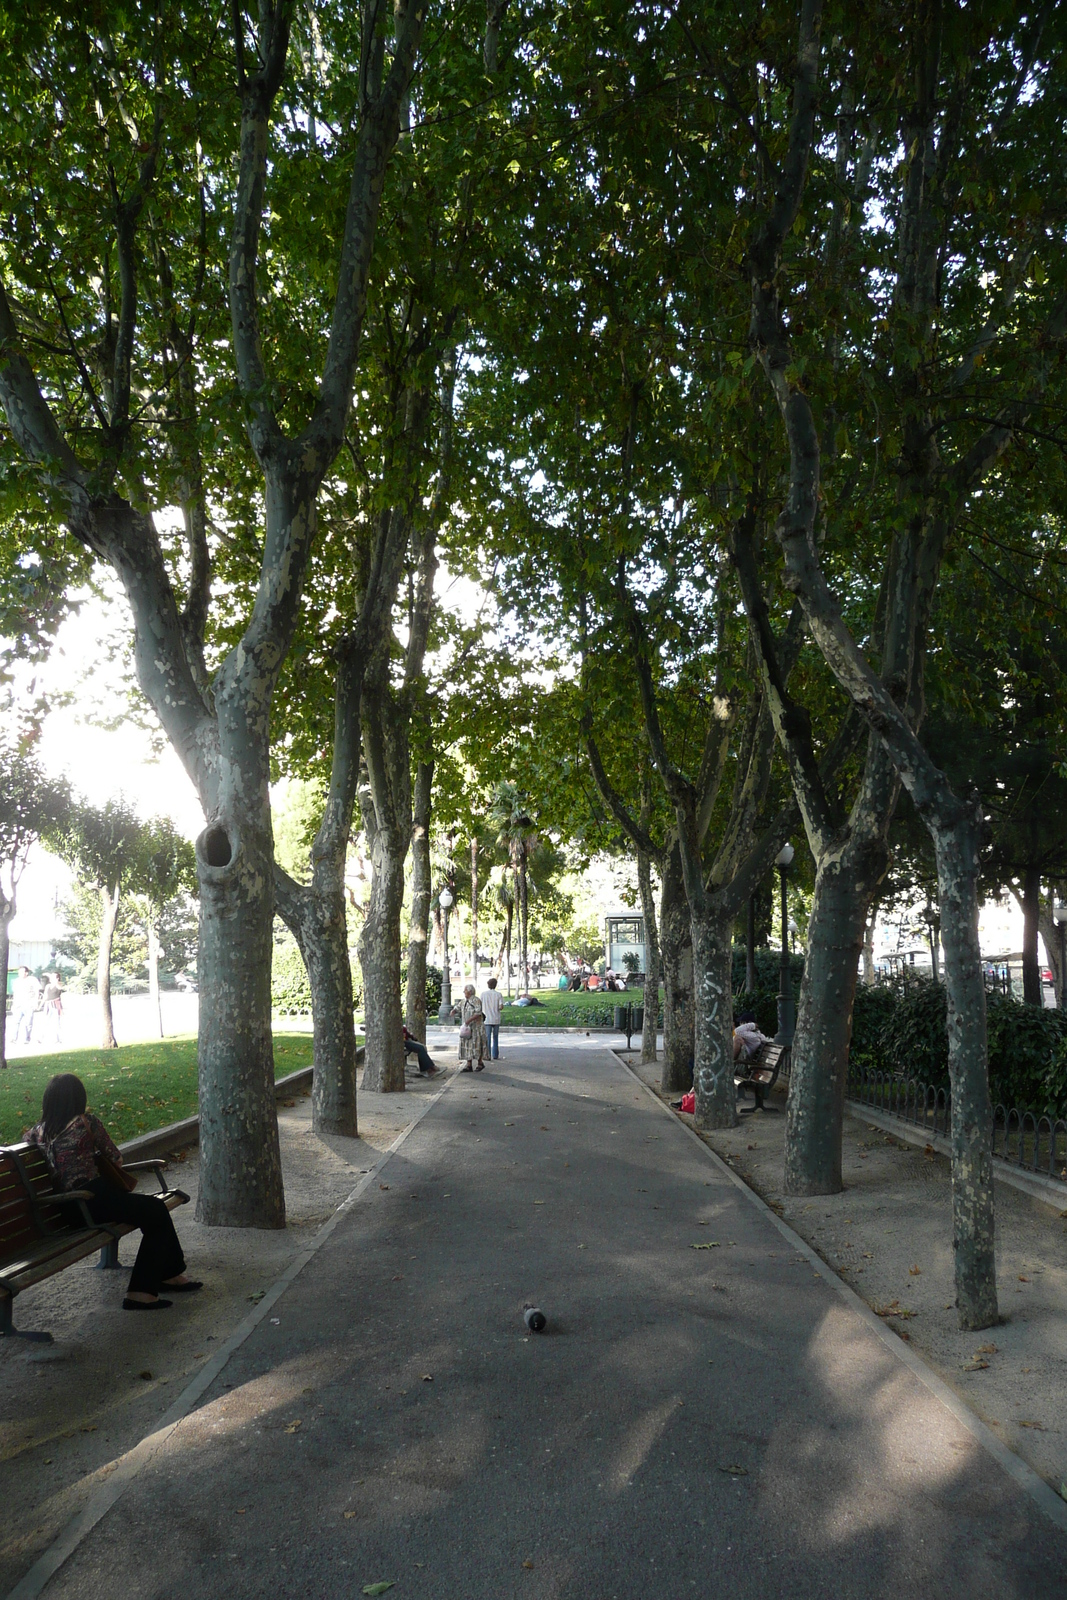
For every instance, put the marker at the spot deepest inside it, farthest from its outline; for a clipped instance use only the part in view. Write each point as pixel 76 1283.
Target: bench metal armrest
pixel 151 1164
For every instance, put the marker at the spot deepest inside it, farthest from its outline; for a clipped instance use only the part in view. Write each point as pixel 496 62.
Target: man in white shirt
pixel 25 993
pixel 492 1003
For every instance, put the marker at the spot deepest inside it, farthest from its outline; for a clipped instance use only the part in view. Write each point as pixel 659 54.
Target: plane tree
pixel 166 158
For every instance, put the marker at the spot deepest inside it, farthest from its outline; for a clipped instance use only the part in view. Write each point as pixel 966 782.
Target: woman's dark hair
pixel 64 1099
pixel 747 1016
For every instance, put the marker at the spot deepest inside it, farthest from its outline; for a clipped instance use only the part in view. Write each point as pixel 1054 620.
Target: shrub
pixel 433 989
pixel 290 992
pixel 763 1001
pixel 905 1031
pixel 768 967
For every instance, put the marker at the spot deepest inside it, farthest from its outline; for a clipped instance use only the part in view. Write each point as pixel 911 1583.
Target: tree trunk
pixel 7 916
pixel 652 959
pixel 379 954
pixel 676 955
pixel 819 1066
pixel 1031 910
pixel 507 945
pixel 1050 933
pixel 868 943
pixel 956 847
pixel 713 1070
pixel 415 999
pixel 109 916
pixel 474 913
pixel 750 944
pixel 240 1158
pixel 153 971
pixel 316 917
pixel 524 928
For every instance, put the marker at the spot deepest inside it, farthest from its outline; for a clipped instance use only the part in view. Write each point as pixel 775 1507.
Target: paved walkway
pixel 710 1421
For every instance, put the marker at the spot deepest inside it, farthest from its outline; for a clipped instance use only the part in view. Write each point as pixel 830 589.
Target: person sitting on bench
pixel 748 1040
pixel 71 1138
pixel 415 1047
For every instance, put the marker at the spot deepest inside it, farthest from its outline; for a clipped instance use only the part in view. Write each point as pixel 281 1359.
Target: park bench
pixel 43 1230
pixel 760 1073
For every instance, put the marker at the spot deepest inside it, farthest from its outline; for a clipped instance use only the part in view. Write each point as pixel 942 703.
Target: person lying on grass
pixel 71 1138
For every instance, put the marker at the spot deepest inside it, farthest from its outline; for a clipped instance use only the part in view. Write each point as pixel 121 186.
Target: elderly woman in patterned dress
pixel 475 1047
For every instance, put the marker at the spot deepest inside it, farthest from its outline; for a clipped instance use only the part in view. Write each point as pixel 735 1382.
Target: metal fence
pixel 1025 1139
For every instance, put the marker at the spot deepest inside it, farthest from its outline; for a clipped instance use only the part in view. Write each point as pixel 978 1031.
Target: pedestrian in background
pixel 52 1006
pixel 25 997
pixel 492 1002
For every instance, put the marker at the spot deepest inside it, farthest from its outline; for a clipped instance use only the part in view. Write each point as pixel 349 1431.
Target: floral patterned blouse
pixel 72 1153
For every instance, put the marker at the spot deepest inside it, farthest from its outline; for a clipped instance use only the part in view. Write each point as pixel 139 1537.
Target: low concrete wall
pixel 180 1135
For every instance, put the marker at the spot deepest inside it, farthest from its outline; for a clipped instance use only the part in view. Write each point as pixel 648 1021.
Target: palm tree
pixel 517 833
pixel 505 899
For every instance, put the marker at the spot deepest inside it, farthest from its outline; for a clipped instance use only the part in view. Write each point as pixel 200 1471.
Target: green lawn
pixel 562 1009
pixel 132 1089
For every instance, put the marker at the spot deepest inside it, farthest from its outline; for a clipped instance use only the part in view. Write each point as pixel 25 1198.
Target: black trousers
pixel 160 1255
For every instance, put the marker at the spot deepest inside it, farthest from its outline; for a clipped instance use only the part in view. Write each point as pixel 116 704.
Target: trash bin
pixel 639 1018
pixel 620 1019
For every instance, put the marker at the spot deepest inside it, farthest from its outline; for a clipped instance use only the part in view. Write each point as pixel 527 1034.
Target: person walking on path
pixel 25 996
pixel 492 1004
pixel 473 1045
pixel 52 1006
pixel 72 1139
pixel 415 1047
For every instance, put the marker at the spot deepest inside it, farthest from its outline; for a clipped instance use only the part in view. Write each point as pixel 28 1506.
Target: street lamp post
pixel 444 900
pixel 1059 917
pixel 787 1013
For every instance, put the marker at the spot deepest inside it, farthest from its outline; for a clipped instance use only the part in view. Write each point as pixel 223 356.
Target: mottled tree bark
pixel 650 1027
pixel 421 887
pixel 676 951
pixel 713 1069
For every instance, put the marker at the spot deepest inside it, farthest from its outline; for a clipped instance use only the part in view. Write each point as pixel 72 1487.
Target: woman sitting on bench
pixel 72 1138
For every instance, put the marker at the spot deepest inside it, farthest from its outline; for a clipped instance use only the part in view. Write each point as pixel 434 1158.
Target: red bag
pixel 689 1102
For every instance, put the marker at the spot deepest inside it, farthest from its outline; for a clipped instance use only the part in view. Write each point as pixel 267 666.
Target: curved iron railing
pixel 1028 1140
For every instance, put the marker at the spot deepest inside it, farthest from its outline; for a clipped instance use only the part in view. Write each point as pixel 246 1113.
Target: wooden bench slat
pixel 41 1236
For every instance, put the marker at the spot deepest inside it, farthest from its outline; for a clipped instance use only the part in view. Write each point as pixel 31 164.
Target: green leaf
pixel 377 1588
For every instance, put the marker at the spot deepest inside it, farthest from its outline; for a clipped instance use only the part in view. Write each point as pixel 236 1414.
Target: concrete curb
pixel 180 1135
pixel 1029 1481
pixel 128 1466
pixel 1051 1190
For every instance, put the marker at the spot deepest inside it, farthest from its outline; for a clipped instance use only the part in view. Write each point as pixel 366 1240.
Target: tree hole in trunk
pixel 216 849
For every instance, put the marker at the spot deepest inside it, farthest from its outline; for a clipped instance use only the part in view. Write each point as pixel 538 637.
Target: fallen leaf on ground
pixel 349 1514
pixel 539 1202
pixel 735 1472
pixel 257 1294
pixel 381 1186
pixel 241 1511
pixel 976 1366
pixel 427 1377
pixel 928 1150
pixel 145 1374
pixel 1039 1426
pixel 294 1427
pixel 1023 1279
pixel 915 1272
pixel 867 1256
pixel 986 1350
pixel 712 1244
pixel 378 1588
pixel 528 1565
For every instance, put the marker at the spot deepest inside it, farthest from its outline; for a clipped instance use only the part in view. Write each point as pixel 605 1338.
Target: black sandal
pixel 147 1305
pixel 184 1288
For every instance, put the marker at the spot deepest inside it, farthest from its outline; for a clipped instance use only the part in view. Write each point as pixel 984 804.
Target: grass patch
pixel 561 1008
pixel 133 1089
